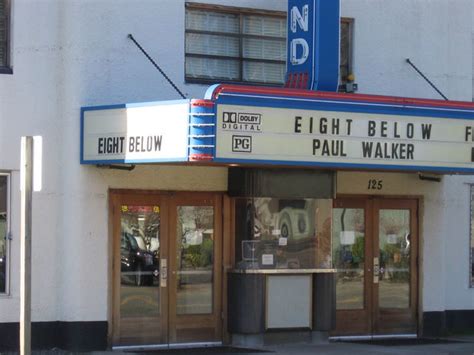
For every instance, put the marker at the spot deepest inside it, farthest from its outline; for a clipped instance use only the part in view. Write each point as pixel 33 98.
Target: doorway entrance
pixel 167 268
pixel 375 251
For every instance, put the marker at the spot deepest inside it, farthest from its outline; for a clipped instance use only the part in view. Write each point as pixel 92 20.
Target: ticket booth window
pixel 283 233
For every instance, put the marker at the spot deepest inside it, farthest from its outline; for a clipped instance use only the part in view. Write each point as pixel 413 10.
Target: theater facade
pixel 265 190
pixel 303 238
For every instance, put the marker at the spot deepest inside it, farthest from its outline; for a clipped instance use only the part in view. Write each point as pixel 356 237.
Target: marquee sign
pixel 135 133
pixel 274 126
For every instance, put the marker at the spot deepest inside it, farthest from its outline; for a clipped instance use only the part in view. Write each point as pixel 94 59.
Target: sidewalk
pixel 455 346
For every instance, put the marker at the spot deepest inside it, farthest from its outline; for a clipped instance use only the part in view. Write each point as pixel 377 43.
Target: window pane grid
pixel 212 21
pixel 263 72
pixel 235 47
pixel 212 45
pixel 264 49
pixel 264 25
pixel 245 47
pixel 211 68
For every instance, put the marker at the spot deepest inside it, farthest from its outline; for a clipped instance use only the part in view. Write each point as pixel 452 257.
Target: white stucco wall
pixel 68 54
pixel 434 34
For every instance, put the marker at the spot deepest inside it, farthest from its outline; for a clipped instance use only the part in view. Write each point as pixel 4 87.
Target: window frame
pixel 7 235
pixel 6 69
pixel 350 39
pixel 240 12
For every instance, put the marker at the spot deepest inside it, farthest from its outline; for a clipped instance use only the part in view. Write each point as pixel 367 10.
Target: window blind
pixel 235 47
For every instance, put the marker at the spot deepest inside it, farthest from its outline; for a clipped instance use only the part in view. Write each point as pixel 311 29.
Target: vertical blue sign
pixel 313 44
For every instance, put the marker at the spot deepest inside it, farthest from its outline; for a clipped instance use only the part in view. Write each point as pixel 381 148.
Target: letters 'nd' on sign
pixel 313 44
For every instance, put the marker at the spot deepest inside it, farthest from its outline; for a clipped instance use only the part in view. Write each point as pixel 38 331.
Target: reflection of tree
pixel 395 262
pixel 358 250
pixel 195 219
pixel 394 224
pixel 349 257
pixel 323 245
pixel 151 228
pixel 200 255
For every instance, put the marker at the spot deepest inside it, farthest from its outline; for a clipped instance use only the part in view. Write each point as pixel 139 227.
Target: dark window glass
pixel 345 64
pixel 3 232
pixel 4 33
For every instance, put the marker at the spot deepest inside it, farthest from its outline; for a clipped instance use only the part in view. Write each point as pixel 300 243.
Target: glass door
pixel 140 296
pixel 195 281
pixel 167 268
pixel 395 266
pixel 375 252
pixel 351 256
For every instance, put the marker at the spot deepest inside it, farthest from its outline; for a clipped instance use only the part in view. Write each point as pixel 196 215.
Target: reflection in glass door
pixel 195 288
pixel 395 267
pixel 351 255
pixel 374 252
pixel 167 289
pixel 394 256
pixel 195 255
pixel 139 306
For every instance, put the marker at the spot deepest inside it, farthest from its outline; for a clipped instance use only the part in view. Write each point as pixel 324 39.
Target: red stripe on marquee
pixel 298 93
pixel 202 103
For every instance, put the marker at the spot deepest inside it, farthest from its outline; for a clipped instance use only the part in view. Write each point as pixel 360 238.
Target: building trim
pixel 72 336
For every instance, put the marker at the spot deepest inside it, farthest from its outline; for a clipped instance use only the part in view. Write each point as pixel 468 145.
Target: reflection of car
pixel 294 223
pixel 137 263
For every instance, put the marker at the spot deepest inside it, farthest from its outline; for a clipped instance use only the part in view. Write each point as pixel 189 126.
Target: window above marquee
pixel 228 44
pixel 234 45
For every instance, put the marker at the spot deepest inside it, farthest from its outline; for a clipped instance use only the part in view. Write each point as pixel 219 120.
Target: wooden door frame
pixel 197 199
pixel 412 205
pixel 369 203
pixel 139 197
pixel 361 318
pixel 116 196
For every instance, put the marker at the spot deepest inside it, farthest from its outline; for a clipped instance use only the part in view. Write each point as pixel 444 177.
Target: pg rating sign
pixel 341 138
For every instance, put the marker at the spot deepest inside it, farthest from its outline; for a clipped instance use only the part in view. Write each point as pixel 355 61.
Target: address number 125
pixel 375 184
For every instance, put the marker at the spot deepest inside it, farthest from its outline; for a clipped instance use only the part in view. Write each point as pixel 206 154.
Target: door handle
pixel 376 269
pixel 163 272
